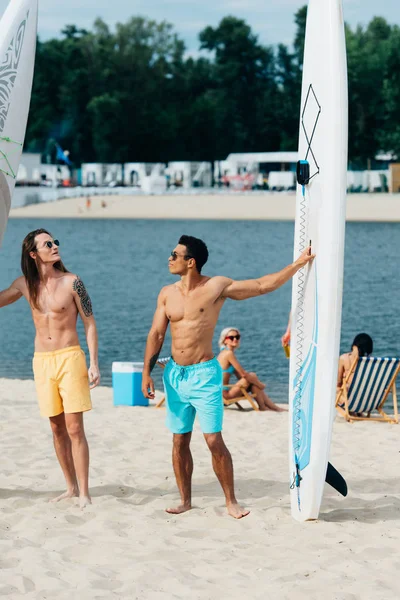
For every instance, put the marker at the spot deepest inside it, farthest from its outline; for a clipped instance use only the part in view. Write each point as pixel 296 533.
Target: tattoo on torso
pixel 86 303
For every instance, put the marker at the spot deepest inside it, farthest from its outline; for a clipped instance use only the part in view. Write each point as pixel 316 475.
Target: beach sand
pixel 272 206
pixel 126 546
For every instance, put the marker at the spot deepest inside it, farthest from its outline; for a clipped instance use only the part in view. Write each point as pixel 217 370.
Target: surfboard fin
pixel 335 479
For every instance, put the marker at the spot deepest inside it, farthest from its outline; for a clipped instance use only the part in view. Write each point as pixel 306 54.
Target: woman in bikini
pixel 362 346
pixel 229 341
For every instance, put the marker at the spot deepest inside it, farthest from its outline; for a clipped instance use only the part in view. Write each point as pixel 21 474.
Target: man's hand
pixel 94 376
pixel 148 386
pixel 305 258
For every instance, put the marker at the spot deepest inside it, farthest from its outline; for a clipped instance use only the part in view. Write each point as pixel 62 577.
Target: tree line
pixel 133 94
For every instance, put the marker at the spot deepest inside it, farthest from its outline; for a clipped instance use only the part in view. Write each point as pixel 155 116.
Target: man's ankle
pixel 231 501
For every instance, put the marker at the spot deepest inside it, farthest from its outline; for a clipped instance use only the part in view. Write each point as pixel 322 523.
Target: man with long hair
pixel 56 297
pixel 193 376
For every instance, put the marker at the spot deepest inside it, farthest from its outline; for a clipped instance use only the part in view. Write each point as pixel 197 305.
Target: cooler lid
pixel 127 367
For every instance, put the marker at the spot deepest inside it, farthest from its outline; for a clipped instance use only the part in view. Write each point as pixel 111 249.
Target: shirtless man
pixel 59 365
pixel 193 377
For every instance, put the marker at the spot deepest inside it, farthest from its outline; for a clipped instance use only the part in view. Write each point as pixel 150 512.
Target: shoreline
pixel 273 206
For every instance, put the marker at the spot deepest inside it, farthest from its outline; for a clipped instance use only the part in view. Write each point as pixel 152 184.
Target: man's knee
pixel 181 441
pixel 75 430
pixel 215 443
pixel 58 426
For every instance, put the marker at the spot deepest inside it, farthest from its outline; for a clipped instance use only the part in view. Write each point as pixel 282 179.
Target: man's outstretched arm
pixel 241 290
pixel 155 340
pixel 11 294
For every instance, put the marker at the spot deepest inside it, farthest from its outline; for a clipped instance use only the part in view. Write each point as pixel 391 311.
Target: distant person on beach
pixel 362 346
pixel 229 342
pixel 88 203
pixel 56 297
pixel 193 376
pixel 103 204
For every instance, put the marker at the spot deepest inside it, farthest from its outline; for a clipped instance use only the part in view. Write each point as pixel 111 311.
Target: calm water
pixel 124 264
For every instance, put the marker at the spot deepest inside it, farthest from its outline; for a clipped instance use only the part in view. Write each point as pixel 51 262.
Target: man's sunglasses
pixel 175 255
pixel 49 244
pixel 233 337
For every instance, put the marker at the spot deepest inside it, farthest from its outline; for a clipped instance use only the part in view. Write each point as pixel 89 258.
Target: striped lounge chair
pixel 373 380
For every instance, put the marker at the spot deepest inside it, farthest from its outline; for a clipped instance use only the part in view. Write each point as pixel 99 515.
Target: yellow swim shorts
pixel 62 382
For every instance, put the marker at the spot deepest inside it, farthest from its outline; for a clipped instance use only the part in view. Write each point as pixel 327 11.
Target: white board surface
pixel 317 288
pixel 18 30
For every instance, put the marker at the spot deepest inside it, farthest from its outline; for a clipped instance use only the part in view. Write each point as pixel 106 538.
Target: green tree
pixel 367 52
pixel 245 89
pixel 390 134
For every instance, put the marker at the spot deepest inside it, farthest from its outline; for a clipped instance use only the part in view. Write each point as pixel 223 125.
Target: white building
pixel 246 170
pixel 264 162
pixel 101 174
pixel 150 177
pixel 29 168
pixel 188 174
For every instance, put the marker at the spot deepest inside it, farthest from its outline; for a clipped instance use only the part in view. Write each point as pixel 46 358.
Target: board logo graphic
pixel 309 122
pixel 8 71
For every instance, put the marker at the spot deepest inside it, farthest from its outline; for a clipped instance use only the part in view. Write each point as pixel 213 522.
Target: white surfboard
pixel 317 289
pixel 18 30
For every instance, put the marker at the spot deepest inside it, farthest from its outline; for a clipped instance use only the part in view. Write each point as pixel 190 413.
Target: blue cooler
pixel 127 384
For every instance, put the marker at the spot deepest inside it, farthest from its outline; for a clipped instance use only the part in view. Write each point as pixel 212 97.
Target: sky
pixel 272 20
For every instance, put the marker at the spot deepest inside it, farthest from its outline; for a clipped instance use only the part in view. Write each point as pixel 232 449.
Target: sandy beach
pixel 273 206
pixel 126 546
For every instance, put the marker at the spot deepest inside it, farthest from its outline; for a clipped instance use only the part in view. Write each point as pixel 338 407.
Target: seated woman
pixel 229 341
pixel 362 346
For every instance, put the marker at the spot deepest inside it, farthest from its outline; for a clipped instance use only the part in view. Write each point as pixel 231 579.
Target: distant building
pixel 29 168
pixel 187 174
pixel 263 162
pixel 136 173
pixel 101 174
pixel 249 170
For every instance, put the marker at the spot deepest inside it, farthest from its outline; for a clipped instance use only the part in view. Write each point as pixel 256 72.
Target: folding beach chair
pixel 373 380
pixel 245 394
pixel 161 363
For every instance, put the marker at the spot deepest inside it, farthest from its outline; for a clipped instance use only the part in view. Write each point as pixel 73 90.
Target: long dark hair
pixel 364 344
pixel 29 266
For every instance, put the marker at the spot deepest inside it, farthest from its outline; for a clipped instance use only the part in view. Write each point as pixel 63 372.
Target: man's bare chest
pixel 56 302
pixel 192 308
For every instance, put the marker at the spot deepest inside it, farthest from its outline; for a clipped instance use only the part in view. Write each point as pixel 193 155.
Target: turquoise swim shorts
pixel 191 390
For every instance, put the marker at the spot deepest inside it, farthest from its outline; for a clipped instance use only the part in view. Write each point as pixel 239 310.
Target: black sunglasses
pixel 233 337
pixel 49 244
pixel 175 255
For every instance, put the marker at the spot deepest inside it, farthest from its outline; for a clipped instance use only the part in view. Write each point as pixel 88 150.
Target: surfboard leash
pixel 299 346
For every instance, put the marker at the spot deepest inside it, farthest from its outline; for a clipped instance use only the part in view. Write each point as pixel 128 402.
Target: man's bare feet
pixel 84 501
pixel 178 509
pixel 236 511
pixel 68 494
